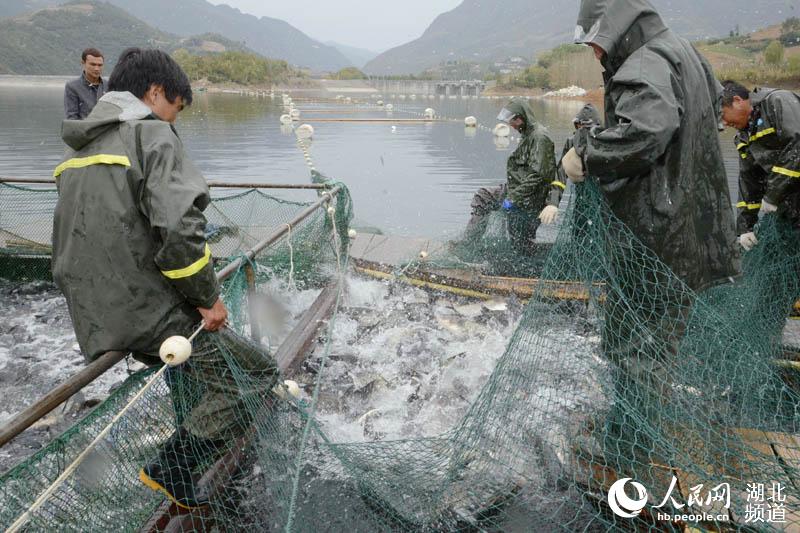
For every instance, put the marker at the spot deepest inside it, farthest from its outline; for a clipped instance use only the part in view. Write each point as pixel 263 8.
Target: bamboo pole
pixel 100 366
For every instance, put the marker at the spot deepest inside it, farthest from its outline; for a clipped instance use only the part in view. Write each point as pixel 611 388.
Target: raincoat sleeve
pixel 173 198
pixel 540 168
pixel 752 185
pixel 783 112
pixel 559 185
pixel 647 116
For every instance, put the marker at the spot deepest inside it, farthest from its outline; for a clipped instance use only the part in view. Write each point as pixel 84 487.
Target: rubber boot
pixel 171 472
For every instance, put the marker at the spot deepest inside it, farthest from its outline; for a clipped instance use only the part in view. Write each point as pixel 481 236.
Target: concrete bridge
pixel 430 87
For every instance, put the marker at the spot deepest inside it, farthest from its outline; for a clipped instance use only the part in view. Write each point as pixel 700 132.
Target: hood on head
pixel 587 115
pixel 521 106
pixel 620 27
pixel 111 109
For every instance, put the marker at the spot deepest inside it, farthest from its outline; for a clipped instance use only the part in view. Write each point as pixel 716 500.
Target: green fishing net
pixel 633 404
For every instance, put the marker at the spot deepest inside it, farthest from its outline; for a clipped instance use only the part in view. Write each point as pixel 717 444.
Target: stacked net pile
pixel 689 398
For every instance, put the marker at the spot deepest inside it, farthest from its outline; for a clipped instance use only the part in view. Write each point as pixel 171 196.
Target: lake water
pixel 413 179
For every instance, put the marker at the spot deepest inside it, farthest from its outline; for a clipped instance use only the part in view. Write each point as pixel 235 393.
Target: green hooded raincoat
pixel 129 250
pixel 531 169
pixel 659 159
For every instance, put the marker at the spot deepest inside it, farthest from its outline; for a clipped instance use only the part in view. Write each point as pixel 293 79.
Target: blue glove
pixel 508 205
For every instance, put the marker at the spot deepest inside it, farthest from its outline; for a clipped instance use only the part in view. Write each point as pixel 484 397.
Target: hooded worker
pixel 131 256
pixel 658 159
pixel 531 171
pixel 588 117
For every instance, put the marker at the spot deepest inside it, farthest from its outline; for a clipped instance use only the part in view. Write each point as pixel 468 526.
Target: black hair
pixel 139 69
pixel 730 89
pixel 91 52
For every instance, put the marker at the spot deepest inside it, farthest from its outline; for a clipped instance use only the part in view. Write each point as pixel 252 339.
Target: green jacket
pixel 659 159
pixel 769 165
pixel 129 250
pixel 531 169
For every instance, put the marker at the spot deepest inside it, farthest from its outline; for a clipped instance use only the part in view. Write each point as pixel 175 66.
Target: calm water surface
pixel 413 179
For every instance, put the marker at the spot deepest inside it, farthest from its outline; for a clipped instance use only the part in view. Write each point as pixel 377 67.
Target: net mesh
pixel 689 398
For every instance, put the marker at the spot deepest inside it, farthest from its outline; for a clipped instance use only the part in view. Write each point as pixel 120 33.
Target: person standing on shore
pixel 82 93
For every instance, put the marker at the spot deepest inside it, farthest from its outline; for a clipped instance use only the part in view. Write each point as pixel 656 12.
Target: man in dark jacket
pixel 768 141
pixel 129 250
pixel 530 171
pixel 82 94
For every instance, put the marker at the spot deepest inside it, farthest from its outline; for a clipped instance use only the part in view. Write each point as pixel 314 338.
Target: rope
pixel 23 519
pixel 291 255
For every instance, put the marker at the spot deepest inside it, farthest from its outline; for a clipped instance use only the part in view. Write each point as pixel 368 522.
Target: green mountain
pixel 481 31
pixel 268 36
pixel 50 41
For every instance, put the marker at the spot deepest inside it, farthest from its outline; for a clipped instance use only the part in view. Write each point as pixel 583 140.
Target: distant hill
pixel 50 41
pixel 357 56
pixel 268 36
pixel 482 31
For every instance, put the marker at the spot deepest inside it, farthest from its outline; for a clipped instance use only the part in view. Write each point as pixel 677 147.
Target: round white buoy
pixel 292 387
pixel 305 131
pixel 286 119
pixel 470 122
pixel 430 113
pixel 502 130
pixel 423 255
pixel 175 350
pixel 389 107
pixel 379 102
pixel 348 100
pixel 352 234
pixel 331 210
pixel 295 114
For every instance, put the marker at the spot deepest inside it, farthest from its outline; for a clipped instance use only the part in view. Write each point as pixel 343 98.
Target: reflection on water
pixel 406 178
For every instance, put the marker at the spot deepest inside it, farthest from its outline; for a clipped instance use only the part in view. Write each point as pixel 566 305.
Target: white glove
pixel 767 208
pixel 748 241
pixel 573 166
pixel 548 214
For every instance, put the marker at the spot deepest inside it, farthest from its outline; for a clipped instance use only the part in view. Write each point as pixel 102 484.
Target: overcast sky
pixel 375 25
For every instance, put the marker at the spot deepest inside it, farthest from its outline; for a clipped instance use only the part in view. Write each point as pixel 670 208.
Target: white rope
pixel 23 519
pixel 291 255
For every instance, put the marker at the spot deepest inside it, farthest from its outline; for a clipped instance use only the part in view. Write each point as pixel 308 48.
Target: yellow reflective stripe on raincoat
pixel 786 172
pixel 744 156
pixel 190 270
pixel 559 184
pixel 762 133
pixel 745 205
pixel 100 159
pixel 742 145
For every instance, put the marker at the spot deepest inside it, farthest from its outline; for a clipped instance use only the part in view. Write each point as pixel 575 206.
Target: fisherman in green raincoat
pixel 130 255
pixel 531 172
pixel 659 164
